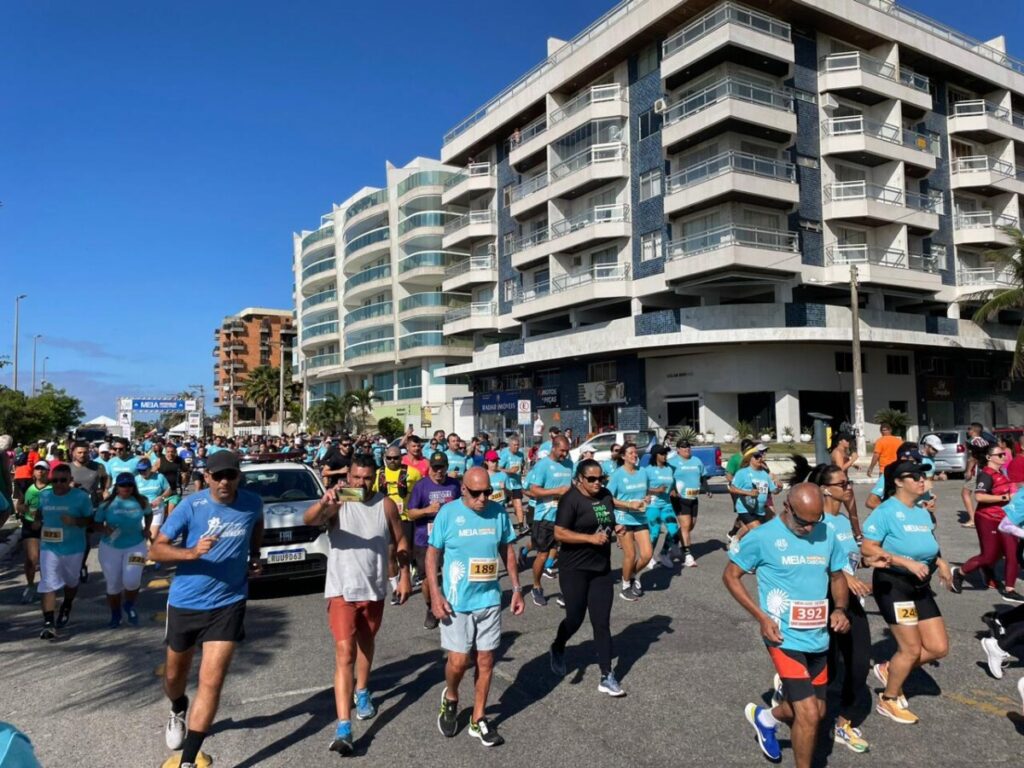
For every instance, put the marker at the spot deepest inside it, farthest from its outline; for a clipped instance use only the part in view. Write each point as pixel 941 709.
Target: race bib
pixel 53 535
pixel 136 560
pixel 854 560
pixel 498 496
pixel 483 569
pixel 692 493
pixel 430 527
pixel 401 508
pixel 808 614
pixel 906 613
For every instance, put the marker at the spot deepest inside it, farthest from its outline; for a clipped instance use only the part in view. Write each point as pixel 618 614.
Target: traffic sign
pixel 524 409
pixel 190 405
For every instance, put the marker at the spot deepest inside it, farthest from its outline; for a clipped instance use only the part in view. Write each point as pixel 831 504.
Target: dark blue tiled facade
pixel 505 176
pixel 662 321
pixel 805 315
pixel 938 180
pixel 806 152
pixel 645 155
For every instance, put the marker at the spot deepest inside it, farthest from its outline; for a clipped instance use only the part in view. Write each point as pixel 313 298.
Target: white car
pixel 291 549
pixel 602 443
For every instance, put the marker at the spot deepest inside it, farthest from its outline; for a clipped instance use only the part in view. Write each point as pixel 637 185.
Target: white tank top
pixel 357 565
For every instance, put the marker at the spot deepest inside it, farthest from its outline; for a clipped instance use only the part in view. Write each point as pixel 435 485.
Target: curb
pixel 11 543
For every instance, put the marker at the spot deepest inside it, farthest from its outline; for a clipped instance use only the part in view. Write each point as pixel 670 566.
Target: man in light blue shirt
pixel 548 481
pixel 473 535
pixel 512 461
pixel 457 460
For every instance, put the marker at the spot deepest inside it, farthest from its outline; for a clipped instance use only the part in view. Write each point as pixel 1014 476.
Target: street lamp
pixel 35 344
pixel 17 315
pixel 42 381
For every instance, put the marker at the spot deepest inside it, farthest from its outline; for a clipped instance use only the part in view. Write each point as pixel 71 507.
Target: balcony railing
pixel 729 88
pixel 536 128
pixel 593 95
pixel 469 219
pixel 842 191
pixel 983 219
pixel 378 309
pixel 422 219
pixel 433 299
pixel 368 275
pixel 730 162
pixel 882 257
pixel 331 294
pixel 971 276
pixel 726 13
pixel 982 163
pixel 598 153
pixel 432 339
pixel 849 60
pixel 529 186
pixel 315 237
pixel 476 309
pixel 379 235
pixel 371 347
pixel 320 329
pixel 422 259
pixel 732 235
pixel 536 237
pixel 473 170
pixel 471 264
pixel 601 214
pixel 597 273
pixel 317 267
pixel 322 361
pixel 981 108
pixel 369 201
pixel 894 134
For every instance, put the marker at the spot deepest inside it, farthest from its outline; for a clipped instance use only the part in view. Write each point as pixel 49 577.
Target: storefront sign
pixel 940 389
pixel 548 397
pixel 499 402
pixel 600 392
pixel 426 418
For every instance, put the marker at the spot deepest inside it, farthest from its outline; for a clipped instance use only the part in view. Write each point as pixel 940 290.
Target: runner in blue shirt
pixel 156 489
pixel 221 529
pixel 629 486
pixel 691 479
pixel 548 481
pixel 544 449
pixel 122 461
pixel 753 486
pixel 613 462
pixel 457 461
pixel 659 512
pixel 473 534
pixel 124 520
pixel 797 561
pixel 512 461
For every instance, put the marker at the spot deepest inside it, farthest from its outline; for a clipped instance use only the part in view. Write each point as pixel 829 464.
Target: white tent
pixel 100 421
pixel 179 429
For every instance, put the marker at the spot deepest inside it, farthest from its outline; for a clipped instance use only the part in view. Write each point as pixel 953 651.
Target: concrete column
pixel 783 293
pixel 876 301
pixel 953 311
pixel 636 307
pixel 787 412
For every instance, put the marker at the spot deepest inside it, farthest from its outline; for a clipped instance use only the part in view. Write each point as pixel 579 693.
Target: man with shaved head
pixel 796 558
pixel 471 533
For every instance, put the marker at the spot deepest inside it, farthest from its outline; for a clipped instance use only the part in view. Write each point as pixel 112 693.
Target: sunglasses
pixel 844 484
pixel 1000 455
pixel 915 476
pixel 757 456
pixel 225 474
pixel 60 479
pixel 800 521
pixel 346 445
pixel 590 478
pixel 482 492
pixel 392 458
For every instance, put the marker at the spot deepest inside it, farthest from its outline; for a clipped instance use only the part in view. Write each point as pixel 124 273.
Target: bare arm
pixel 163 551
pixel 567 536
pixel 732 578
pixel 323 511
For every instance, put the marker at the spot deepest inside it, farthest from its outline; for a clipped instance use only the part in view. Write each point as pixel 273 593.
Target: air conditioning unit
pixel 828 101
pixel 1005 385
pixel 661 106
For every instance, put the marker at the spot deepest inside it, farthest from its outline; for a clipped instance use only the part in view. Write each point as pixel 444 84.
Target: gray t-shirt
pixel 357 565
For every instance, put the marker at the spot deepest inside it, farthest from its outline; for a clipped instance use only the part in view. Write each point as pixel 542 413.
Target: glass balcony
pixel 528 187
pixel 320 329
pixel 380 309
pixel 593 95
pixel 379 235
pixel 598 153
pixel 433 339
pixel 423 179
pixel 983 277
pixel 484 262
pixel 597 273
pixel 472 171
pixel 855 60
pixel 323 361
pixel 422 219
pixel 520 142
pixel 368 275
pixel 983 220
pixel 476 309
pixel 369 201
pixel 983 164
pixel 424 259
pixel 371 347
pixel 862 190
pixel 858 125
pixel 730 162
pixel 317 267
pixel 726 13
pixel 601 214
pixel 882 257
pixel 331 294
pixel 469 219
pixel 732 235
pixel 316 237
pixel 432 299
pixel 728 88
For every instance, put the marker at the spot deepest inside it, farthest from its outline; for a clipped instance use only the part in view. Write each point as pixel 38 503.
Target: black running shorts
pixel 903 599
pixel 186 629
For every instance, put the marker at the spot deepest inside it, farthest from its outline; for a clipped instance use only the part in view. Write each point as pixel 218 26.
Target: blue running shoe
pixel 342 743
pixel 364 706
pixel 765 736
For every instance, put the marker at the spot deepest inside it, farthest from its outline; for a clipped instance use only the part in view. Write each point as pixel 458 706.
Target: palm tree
pixel 260 389
pixel 1003 299
pixel 362 401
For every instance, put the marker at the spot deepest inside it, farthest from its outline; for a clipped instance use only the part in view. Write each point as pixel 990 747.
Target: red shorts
pixel 346 619
pixel 803 674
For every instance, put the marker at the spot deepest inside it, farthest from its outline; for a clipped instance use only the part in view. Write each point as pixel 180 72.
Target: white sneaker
pixel 1020 688
pixel 689 561
pixel 995 656
pixel 777 692
pixel 174 733
pixel 652 565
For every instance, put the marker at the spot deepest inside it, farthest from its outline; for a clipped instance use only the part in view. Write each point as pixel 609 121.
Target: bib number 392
pixel 808 614
pixel 906 613
pixel 483 569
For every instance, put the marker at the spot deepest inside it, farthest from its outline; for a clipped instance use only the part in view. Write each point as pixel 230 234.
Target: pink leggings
pixel 994 545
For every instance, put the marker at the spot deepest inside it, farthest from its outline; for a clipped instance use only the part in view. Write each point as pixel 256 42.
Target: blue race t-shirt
pixel 549 474
pixel 498 485
pixel 689 475
pixel 608 467
pixel 471 544
pixel 628 486
pixel 513 464
pixel 660 477
pixel 212 449
pixel 55 535
pixel 843 530
pixel 456 463
pixel 425 493
pixel 151 487
pixel 117 465
pixel 543 450
pixel 748 479
pixel 792 579
pixel 878 489
pixel 127 517
pixel 220 577
pixel 904 531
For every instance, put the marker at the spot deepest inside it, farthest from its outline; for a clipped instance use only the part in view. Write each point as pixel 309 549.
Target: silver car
pixel 952 459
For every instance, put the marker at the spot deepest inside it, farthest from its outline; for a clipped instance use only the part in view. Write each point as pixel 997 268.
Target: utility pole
pixel 17 315
pixel 202 408
pixel 280 392
pixel 231 395
pixel 35 343
pixel 858 374
pixel 42 381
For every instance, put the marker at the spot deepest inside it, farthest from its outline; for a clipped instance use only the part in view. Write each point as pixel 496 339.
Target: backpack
pixel 20 459
pixel 403 482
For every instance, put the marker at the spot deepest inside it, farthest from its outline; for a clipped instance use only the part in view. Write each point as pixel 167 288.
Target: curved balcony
pixel 371 352
pixel 729 104
pixel 588 169
pixel 314 333
pixel 415 223
pixel 369 316
pixel 364 284
pixel 431 304
pixel 731 248
pixel 365 208
pixel 367 246
pixel 729 32
pixel 600 283
pixel 986 175
pixel 985 122
pixel 472 180
pixel 318 274
pixel 468 227
pixel 478 316
pixel 983 228
pixel 883 265
pixel 470 271
pixel 433 344
pixel 323 297
pixel 426 268
pixel 866 142
pixel 732 176
pixel 876 205
pixel 321 238
pixel 318 362
pixel 421 179
pixel 867 80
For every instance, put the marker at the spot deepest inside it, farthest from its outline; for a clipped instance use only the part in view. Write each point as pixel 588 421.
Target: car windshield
pixel 276 485
pixel 948 437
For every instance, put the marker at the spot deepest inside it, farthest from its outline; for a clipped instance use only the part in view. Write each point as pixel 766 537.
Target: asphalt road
pixel 687 655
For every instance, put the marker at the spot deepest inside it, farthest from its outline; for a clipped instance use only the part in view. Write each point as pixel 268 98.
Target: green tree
pixel 1008 260
pixel 260 390
pixel 50 413
pixel 390 427
pixel 331 414
pixel 896 419
pixel 361 401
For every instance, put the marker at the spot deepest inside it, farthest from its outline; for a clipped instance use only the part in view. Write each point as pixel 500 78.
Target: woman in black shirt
pixel 583 527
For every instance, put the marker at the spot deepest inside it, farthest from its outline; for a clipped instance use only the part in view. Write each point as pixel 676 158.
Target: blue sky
pixel 155 157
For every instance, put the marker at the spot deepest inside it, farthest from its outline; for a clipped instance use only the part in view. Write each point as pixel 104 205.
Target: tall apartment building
pixel 662 217
pixel 248 339
pixel 372 295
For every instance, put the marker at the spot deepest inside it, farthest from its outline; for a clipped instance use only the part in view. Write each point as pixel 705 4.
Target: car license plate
pixel 286 556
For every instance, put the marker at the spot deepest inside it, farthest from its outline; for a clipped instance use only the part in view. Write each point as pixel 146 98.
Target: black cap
pixel 662 449
pixel 906 467
pixel 438 459
pixel 222 460
pixel 683 443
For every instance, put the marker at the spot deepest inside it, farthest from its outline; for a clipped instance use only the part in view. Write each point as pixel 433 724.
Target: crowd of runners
pixel 452 518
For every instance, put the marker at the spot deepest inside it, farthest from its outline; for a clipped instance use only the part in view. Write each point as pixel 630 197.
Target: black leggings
pixel 1013 623
pixel 583 591
pixel 854 647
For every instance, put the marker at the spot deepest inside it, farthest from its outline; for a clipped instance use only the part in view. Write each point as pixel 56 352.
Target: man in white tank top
pixel 365 530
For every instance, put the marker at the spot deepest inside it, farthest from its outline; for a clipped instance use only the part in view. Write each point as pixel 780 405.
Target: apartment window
pixel 509 289
pixel 897 365
pixel 650 246
pixel 601 371
pixel 384 385
pixel 844 362
pixel 506 196
pixel 647 61
pixel 548 377
pixel 509 241
pixel 649 123
pixel 978 369
pixel 650 184
pixel 409 383
pixel 542 281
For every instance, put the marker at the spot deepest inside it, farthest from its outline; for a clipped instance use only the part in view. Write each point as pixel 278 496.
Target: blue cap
pixel 143 465
pixel 125 478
